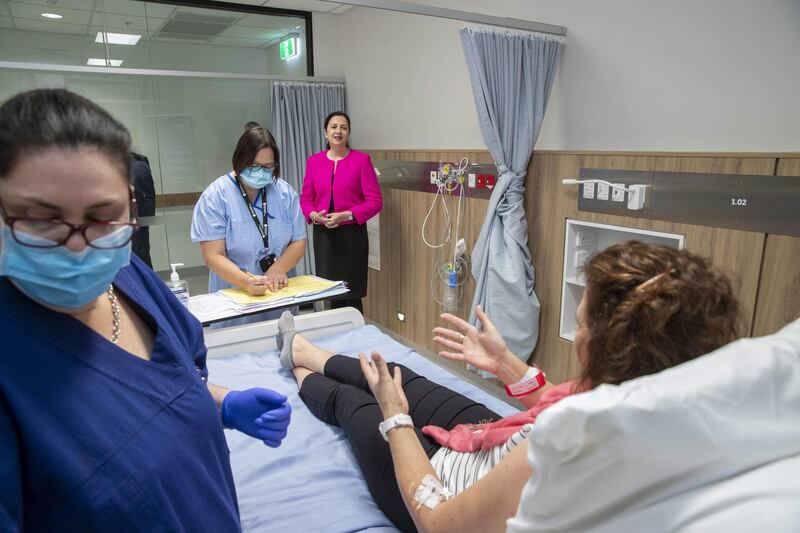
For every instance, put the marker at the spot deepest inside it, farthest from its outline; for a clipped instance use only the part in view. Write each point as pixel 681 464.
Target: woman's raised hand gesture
pixel 484 349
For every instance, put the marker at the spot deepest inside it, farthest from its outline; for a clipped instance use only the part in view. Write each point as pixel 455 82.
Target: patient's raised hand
pixel 483 348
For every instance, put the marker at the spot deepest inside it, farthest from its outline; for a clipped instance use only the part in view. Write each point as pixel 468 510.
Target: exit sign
pixel 288 48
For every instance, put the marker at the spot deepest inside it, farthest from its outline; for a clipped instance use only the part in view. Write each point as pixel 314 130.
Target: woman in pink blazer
pixel 340 193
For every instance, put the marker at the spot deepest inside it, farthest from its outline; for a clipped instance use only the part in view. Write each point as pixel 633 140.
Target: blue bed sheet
pixel 312 482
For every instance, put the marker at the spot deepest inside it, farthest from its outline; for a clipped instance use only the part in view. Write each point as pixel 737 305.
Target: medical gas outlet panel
pixel 764 204
pixel 425 176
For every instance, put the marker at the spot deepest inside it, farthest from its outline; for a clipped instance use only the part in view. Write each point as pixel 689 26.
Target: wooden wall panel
pixel 549 204
pixel 404 281
pixel 383 288
pixel 778 300
pixel 452 156
pixel 736 252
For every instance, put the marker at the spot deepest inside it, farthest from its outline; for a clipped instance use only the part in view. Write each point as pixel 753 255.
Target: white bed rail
pixel 260 336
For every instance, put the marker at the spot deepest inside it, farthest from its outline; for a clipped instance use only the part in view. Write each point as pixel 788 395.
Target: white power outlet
pixel 636 197
pixel 471 180
pixel 618 193
pixel 602 191
pixel 434 175
pixel 588 190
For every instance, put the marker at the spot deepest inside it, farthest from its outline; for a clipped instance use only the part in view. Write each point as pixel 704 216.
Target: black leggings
pixel 341 397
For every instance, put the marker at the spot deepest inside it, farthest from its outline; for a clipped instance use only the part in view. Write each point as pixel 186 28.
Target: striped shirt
pixel 459 470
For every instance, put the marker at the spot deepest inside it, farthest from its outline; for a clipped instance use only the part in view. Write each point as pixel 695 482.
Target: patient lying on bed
pixel 645 308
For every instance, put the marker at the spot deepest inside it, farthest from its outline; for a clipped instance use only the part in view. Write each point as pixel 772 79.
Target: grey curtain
pixel 298 114
pixel 512 73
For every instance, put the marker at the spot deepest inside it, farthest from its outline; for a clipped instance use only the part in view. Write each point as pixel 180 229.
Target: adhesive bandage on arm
pixel 431 493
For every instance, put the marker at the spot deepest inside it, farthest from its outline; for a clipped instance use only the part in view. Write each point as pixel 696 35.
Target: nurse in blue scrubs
pixel 249 223
pixel 107 422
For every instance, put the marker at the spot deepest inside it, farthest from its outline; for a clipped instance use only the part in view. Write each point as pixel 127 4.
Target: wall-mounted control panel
pixel 768 204
pixel 424 176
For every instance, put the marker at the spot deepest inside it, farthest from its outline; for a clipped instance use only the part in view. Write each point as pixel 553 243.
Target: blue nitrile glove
pixel 258 412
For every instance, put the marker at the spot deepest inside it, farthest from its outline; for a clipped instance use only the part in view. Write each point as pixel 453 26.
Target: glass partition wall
pixel 184 81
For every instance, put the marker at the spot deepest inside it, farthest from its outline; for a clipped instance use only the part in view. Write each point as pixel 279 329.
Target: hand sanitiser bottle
pixel 179 287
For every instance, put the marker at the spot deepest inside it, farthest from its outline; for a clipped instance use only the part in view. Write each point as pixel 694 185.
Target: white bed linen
pixel 312 482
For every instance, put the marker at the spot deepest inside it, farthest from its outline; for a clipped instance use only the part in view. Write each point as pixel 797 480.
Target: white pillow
pixel 661 452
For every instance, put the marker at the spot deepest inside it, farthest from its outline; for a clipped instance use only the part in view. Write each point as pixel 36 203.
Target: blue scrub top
pixel 93 438
pixel 221 213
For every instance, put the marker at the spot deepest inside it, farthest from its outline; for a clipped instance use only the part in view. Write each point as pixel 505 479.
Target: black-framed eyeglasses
pixel 269 167
pixel 53 232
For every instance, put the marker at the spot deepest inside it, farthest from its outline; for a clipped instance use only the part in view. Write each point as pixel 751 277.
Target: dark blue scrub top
pixel 93 438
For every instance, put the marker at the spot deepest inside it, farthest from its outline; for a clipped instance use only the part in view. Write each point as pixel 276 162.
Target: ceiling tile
pixel 46 26
pixel 34 12
pixel 123 7
pixel 234 41
pixel 128 23
pixel 139 9
pixel 153 26
pixel 81 5
pixel 209 12
pixel 247 32
pixel 159 10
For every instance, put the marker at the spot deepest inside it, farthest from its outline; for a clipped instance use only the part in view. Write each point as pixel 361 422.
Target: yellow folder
pixel 297 287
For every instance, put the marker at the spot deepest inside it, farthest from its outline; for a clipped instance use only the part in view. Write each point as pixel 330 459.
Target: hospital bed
pixel 312 482
pixel 709 445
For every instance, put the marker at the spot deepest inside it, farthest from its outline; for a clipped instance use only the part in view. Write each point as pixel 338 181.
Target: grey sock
pixel 286 333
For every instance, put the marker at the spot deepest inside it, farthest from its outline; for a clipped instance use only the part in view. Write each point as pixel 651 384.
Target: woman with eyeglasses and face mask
pixel 249 224
pixel 106 419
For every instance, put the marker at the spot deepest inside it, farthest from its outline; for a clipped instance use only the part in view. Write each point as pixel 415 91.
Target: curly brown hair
pixel 652 307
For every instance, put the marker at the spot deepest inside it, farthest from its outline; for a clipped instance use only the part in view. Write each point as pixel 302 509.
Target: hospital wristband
pixel 400 420
pixel 533 380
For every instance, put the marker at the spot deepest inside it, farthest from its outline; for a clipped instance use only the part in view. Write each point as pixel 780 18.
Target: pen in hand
pixel 256 285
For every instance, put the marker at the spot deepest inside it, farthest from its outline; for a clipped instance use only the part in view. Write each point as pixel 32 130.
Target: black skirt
pixel 342 254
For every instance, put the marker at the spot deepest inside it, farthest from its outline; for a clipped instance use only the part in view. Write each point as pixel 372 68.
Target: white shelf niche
pixel 583 240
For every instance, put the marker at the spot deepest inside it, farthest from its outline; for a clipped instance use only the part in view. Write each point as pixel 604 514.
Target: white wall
pixel 716 75
pixel 407 84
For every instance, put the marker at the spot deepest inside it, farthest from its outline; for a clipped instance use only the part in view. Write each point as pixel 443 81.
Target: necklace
pixel 115 312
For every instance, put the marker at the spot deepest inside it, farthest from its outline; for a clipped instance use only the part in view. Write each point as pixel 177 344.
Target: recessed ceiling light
pixel 95 62
pixel 52 16
pixel 128 39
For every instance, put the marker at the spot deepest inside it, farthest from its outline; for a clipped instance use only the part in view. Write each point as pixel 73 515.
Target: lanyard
pixel 263 229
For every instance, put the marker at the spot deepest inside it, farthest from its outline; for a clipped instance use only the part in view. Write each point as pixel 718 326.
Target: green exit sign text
pixel 288 48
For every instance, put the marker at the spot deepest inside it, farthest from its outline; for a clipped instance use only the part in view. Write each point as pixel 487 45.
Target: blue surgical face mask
pixel 60 277
pixel 256 177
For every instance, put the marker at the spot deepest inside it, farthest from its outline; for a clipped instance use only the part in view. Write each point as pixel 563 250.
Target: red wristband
pixel 533 380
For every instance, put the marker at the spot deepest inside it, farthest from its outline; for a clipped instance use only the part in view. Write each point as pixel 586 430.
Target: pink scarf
pixel 474 437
